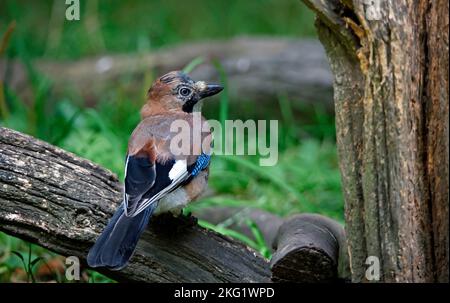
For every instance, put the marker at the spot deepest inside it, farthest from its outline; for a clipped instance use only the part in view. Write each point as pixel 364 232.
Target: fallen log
pixel 306 247
pixel 55 199
pixel 257 70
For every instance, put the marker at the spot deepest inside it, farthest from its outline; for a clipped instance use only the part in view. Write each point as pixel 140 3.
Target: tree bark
pixel 391 103
pixel 61 202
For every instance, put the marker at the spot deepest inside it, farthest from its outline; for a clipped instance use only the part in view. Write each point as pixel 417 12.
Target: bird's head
pixel 176 91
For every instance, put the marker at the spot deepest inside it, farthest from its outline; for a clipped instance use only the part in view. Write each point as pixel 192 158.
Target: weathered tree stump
pixel 390 64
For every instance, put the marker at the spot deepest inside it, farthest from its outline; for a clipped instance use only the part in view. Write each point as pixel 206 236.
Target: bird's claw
pixel 169 223
pixel 187 220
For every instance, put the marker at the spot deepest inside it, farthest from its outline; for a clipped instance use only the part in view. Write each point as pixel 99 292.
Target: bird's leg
pixel 187 220
pixel 170 223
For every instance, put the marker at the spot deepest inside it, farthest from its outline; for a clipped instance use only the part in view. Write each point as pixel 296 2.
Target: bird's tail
pixel 118 241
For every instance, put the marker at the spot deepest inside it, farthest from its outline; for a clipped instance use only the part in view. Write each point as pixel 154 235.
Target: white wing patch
pixel 125 196
pixel 177 174
pixel 178 169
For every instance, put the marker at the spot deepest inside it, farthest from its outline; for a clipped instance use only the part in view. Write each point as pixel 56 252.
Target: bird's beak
pixel 207 90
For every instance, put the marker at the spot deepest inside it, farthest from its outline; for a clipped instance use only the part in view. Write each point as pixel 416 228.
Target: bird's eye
pixel 184 91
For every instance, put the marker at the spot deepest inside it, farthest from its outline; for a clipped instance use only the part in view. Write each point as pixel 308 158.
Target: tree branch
pixel 53 198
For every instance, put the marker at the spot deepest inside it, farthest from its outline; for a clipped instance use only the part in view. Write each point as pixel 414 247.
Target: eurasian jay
pixel 157 180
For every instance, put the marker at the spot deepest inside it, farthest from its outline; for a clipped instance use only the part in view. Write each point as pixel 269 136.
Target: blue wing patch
pixel 201 163
pixel 146 183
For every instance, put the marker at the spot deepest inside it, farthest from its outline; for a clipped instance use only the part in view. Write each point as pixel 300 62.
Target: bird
pixel 158 180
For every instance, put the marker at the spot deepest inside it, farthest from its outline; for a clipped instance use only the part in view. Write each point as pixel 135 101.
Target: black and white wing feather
pixel 145 184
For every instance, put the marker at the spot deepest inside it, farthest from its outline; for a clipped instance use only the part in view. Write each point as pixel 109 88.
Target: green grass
pixel 140 25
pixel 21 261
pixel 306 178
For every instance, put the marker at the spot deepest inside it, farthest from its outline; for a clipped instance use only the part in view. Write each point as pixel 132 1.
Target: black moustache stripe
pixel 189 105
